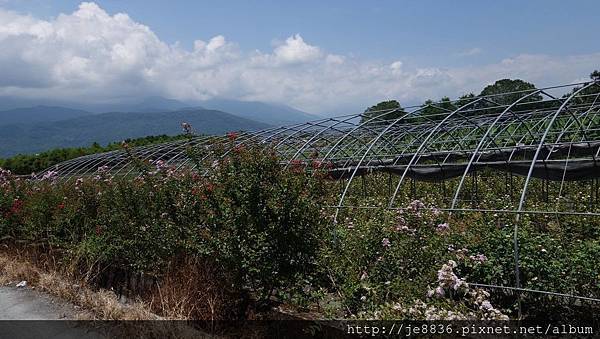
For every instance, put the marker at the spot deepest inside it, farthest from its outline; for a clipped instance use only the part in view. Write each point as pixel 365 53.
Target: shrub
pixel 378 256
pixel 262 222
pixel 258 222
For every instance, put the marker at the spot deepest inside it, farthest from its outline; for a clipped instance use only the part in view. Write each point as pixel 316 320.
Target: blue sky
pixel 433 31
pixel 434 39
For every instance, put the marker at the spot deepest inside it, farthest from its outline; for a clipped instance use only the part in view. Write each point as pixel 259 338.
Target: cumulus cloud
pixel 102 57
pixel 295 50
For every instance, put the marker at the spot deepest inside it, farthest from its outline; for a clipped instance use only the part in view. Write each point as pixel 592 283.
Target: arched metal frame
pixel 536 130
pixel 352 143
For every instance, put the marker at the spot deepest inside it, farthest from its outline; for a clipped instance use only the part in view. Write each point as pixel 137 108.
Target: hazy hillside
pixel 39 114
pixel 147 104
pixel 274 114
pixel 270 113
pixel 109 127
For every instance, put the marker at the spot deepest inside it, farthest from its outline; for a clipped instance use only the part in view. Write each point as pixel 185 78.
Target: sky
pixel 325 57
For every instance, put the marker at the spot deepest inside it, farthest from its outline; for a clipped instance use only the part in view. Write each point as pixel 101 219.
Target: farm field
pixel 286 169
pixel 473 210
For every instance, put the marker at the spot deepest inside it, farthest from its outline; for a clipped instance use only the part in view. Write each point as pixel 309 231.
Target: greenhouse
pixel 538 142
pixel 512 157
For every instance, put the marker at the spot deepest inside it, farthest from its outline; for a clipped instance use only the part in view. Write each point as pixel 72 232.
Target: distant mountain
pixel 155 104
pixel 147 104
pixel 39 114
pixel 110 127
pixel 7 102
pixel 274 114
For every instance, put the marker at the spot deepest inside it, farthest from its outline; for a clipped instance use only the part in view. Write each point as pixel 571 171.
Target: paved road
pixel 28 304
pixel 41 312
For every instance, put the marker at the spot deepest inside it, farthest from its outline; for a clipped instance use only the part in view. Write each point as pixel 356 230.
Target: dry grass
pixel 100 305
pixel 190 290
pixel 12 270
pixel 193 289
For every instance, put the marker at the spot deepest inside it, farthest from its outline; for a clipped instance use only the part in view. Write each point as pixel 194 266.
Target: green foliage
pixel 264 228
pixel 465 99
pixel 25 164
pixel 586 96
pixel 260 223
pixel 510 86
pixel 263 223
pixel 382 256
pixel 385 110
pixel 435 111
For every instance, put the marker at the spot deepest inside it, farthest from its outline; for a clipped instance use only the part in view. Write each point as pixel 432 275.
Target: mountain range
pixel 274 114
pixel 270 113
pixel 36 114
pixel 110 127
pixel 31 126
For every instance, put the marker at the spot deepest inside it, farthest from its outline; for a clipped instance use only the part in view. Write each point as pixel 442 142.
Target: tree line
pixel 25 164
pixel 504 92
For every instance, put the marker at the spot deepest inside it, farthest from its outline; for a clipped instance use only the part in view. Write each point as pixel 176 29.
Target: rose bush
pixel 264 228
pixel 261 223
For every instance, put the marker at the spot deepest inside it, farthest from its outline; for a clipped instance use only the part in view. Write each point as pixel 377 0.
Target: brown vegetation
pixel 98 304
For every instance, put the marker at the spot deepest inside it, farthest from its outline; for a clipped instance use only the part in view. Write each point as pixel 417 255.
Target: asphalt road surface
pixel 27 304
pixel 27 313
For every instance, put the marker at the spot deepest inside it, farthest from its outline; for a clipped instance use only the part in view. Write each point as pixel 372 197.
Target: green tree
pixel 588 95
pixel 435 110
pixel 379 110
pixel 431 107
pixel 465 99
pixel 504 91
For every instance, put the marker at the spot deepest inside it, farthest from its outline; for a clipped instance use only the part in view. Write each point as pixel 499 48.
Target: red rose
pixel 16 206
pixel 210 187
pixel 232 136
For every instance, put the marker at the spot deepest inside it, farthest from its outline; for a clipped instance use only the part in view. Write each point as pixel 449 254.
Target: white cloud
pixel 295 50
pixel 93 55
pixel 396 67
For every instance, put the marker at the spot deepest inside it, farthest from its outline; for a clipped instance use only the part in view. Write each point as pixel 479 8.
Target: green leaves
pixel 265 228
pixel 259 222
pixel 270 226
pixel 385 110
